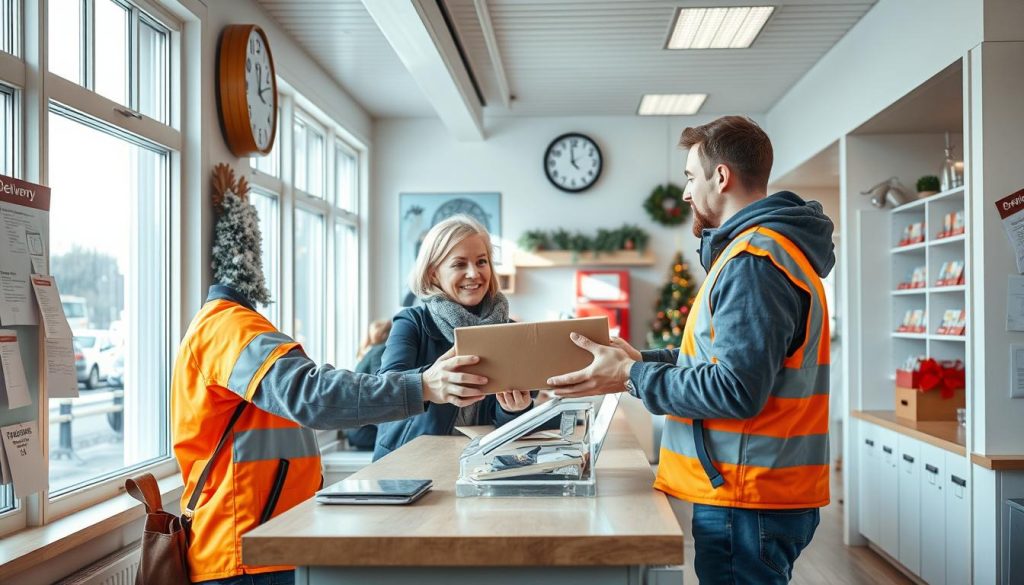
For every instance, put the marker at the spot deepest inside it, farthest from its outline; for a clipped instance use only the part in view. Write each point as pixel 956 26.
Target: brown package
pixel 522 356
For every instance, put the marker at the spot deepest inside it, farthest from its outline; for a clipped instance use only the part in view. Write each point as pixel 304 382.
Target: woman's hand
pixel 514 400
pixel 444 384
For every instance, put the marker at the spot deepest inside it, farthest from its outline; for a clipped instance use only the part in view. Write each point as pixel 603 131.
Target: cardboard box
pixel 523 356
pixel 913 404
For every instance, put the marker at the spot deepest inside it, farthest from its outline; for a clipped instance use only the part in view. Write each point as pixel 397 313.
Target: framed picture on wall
pixel 418 212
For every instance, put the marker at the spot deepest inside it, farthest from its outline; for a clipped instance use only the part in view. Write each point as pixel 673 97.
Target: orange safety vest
pixel 777 459
pixel 269 464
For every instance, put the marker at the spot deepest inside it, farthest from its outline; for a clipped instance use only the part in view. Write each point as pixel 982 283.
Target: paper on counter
pixel 61 378
pixel 15 385
pixel 55 323
pixel 1011 211
pixel 24 459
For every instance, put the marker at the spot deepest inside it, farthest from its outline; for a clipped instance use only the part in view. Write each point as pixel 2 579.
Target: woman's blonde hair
pixel 437 244
pixel 376 334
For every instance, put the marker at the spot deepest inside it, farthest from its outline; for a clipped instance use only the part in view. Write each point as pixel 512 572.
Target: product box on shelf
pixel 912 234
pixel 954 322
pixel 914 321
pixel 932 390
pixel 918 278
pixel 951 273
pixel 952 225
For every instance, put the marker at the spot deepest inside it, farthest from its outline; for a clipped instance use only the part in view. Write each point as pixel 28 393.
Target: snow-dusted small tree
pixel 237 242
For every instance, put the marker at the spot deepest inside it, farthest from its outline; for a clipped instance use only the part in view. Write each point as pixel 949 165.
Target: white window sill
pixel 35 545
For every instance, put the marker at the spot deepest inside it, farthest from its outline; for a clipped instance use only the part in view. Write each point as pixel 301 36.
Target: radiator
pixel 116 569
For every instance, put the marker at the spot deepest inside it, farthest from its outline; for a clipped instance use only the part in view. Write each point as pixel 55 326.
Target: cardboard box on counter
pixel 523 356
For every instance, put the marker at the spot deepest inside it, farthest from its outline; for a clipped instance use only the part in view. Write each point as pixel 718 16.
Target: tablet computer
pixel 374 491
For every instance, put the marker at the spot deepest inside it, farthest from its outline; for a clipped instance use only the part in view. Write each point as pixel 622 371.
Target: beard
pixel 701 222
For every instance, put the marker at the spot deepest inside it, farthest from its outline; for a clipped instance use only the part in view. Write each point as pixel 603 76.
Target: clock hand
pixel 572 157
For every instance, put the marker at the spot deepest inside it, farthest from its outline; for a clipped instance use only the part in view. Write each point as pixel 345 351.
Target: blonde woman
pixel 454 279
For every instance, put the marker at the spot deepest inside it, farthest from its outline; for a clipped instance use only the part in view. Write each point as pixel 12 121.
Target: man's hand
pixel 605 375
pixel 444 384
pixel 514 400
pixel 632 352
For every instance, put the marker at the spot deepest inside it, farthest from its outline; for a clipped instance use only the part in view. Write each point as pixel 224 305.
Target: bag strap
pixel 205 475
pixel 145 489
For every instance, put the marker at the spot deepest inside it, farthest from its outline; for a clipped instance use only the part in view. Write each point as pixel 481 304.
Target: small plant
pixel 533 241
pixel 928 183
pixel 561 239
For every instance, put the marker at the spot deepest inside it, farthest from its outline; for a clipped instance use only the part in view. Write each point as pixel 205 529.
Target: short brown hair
pixel 735 141
pixel 437 244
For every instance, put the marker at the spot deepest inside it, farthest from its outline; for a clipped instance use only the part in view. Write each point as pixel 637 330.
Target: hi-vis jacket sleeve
pixel 322 397
pixel 756 313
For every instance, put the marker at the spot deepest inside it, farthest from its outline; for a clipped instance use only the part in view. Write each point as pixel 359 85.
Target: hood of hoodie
pixel 803 222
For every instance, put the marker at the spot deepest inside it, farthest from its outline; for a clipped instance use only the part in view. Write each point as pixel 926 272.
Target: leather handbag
pixel 165 539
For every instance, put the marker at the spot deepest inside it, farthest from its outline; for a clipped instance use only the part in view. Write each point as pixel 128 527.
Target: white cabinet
pixel 888 493
pixel 958 527
pixel 909 465
pixel 933 515
pixel 867 481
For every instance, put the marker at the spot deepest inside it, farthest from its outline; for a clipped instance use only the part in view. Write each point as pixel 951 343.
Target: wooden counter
pixel 999 462
pixel 627 524
pixel 948 435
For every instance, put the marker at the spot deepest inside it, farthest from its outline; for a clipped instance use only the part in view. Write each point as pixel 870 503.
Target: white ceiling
pixel 575 57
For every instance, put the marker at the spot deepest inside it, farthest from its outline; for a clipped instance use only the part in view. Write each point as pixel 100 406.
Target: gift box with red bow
pixel 932 391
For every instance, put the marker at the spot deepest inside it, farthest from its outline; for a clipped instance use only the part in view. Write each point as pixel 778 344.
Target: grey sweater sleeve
pixel 321 397
pixel 664 356
pixel 756 314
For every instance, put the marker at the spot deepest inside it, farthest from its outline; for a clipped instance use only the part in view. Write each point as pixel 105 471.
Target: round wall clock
pixel 247 90
pixel 573 162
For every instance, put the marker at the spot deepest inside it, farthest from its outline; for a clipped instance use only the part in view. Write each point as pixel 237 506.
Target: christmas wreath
pixel 666 206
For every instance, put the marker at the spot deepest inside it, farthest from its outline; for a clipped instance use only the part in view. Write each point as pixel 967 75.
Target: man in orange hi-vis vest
pixel 244 398
pixel 746 396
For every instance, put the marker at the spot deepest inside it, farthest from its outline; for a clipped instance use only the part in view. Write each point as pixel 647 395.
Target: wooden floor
pixel 826 561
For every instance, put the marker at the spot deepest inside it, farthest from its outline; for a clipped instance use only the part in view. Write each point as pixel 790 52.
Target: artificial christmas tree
pixel 673 307
pixel 237 243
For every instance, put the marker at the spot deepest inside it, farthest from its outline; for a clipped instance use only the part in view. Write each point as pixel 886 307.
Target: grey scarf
pixel 448 315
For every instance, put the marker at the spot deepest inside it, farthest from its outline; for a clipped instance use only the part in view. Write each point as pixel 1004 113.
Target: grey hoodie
pixel 760 318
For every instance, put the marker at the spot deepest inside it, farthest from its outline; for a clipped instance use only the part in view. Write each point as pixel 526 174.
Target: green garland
pixel 666 206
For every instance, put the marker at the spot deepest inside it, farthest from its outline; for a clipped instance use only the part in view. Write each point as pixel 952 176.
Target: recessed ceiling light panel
pixel 718 28
pixel 680 104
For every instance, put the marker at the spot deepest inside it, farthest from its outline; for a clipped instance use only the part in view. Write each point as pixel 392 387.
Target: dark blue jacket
pixel 415 343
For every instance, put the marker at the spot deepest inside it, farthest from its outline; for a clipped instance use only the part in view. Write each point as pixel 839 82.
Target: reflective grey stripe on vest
pixel 761 450
pixel 801 382
pixel 817 310
pixel 274 444
pixel 252 358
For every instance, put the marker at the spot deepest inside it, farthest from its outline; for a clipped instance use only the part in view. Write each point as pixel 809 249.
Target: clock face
pixel 259 89
pixel 573 162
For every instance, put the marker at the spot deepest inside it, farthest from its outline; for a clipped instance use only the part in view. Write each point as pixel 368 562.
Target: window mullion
pixel 88 44
pixel 134 48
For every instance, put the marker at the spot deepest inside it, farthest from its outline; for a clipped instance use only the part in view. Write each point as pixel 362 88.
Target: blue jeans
pixel 275 578
pixel 734 545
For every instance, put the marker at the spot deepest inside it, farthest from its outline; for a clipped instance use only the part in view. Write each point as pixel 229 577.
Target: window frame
pixel 35 90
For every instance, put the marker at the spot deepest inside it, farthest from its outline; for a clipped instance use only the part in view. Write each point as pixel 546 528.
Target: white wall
pixel 896 46
pixel 418 155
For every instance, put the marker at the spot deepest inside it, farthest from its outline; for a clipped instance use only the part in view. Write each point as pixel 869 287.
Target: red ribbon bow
pixel 948 377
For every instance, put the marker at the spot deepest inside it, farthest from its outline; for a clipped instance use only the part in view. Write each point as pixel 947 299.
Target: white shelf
pixel 910 248
pixel 938 337
pixel 949 240
pixel 902 335
pixel 909 291
pixel 918 204
pixel 948 289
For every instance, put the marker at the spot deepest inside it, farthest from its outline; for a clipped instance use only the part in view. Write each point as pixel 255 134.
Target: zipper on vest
pixel 275 490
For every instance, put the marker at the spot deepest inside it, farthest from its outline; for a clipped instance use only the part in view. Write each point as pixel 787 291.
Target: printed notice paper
pixel 24 459
pixel 1015 304
pixel 14 384
pixel 24 209
pixel 1011 210
pixel 55 323
pixel 61 379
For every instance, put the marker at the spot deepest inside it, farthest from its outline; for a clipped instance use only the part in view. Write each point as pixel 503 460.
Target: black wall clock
pixel 573 162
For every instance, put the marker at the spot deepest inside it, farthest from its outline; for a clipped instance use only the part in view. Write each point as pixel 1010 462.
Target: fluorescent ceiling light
pixel 718 28
pixel 680 104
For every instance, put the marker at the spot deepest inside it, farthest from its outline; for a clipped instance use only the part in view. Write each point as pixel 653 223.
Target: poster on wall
pixel 23 218
pixel 418 212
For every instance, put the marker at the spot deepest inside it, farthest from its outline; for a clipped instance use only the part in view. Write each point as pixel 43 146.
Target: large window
pixel 9 19
pixel 114 282
pixel 114 49
pixel 315 195
pixel 109 242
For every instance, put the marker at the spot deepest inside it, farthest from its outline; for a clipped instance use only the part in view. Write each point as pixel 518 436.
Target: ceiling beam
pixel 491 41
pixel 417 32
